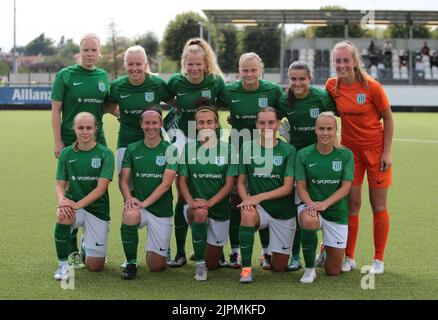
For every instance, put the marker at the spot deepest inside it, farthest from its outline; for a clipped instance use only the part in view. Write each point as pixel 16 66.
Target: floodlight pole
pixel 201 30
pixel 410 64
pixel 282 51
pixel 14 60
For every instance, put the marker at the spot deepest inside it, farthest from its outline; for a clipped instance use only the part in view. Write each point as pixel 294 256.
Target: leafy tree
pixel 113 51
pixel 185 26
pixel 338 30
pixel 67 51
pixel 401 31
pixel 4 67
pixel 149 41
pixel 434 33
pixel 20 50
pixel 265 41
pixel 40 45
pixel 227 48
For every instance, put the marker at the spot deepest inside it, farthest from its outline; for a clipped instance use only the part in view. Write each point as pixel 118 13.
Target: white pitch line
pixel 416 140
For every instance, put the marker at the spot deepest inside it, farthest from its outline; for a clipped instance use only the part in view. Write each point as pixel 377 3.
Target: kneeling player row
pixel 323 174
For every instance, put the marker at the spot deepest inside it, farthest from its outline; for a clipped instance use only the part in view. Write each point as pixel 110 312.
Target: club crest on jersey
pixel 337 166
pixel 160 161
pixel 360 98
pixel 149 96
pixel 220 161
pixel 314 113
pixel 96 162
pixel 101 85
pixel 206 93
pixel 277 160
pixel 263 102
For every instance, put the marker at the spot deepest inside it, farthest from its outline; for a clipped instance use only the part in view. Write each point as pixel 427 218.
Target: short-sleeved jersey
pixel 82 170
pixel 147 171
pixel 359 107
pixel 303 113
pixel 207 170
pixel 132 101
pixel 324 174
pixel 252 158
pixel 80 90
pixel 187 93
pixel 244 105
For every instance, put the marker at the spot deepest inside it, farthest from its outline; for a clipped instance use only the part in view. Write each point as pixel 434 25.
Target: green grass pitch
pixel 28 205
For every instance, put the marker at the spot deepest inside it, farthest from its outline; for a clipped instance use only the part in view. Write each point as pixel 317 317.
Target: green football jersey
pixel 207 171
pixel 132 101
pixel 244 105
pixel 281 160
pixel 82 170
pixel 147 171
pixel 80 90
pixel 302 116
pixel 187 93
pixel 324 174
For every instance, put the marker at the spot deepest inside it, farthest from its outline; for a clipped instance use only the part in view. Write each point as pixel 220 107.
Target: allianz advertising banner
pixel 25 95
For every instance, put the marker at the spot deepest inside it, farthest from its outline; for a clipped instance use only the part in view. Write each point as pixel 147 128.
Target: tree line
pixel 228 41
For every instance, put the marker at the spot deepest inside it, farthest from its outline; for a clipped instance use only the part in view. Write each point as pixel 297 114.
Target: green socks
pixel 309 240
pixel 74 240
pixel 297 243
pixel 181 228
pixel 264 237
pixel 129 235
pixel 62 241
pixel 234 228
pixel 199 238
pixel 246 239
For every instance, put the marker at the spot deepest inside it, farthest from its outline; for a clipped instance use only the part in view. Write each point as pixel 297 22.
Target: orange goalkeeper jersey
pixel 359 107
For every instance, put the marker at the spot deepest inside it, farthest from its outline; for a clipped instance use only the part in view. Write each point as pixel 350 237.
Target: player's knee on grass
pixel 212 255
pixel 95 264
pixel 279 262
pixel 155 262
pixel 309 222
pixel 332 271
pixel 333 261
pixel 131 216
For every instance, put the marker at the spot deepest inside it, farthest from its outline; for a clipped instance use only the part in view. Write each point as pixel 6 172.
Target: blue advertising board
pixel 25 95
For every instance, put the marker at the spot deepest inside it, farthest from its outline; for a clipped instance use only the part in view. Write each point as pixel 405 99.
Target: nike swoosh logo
pixel 71 161
pixel 380 181
pixel 60 240
pixel 312 164
pixel 339 242
pixel 99 245
pixel 197 241
pixel 182 94
pixel 291 113
pixel 123 97
pixel 163 249
pixel 245 247
pixel 136 158
pixel 285 248
pixel 220 241
pixel 77 83
pixel 234 101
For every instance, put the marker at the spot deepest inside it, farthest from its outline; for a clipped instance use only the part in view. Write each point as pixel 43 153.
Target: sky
pixel 75 18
